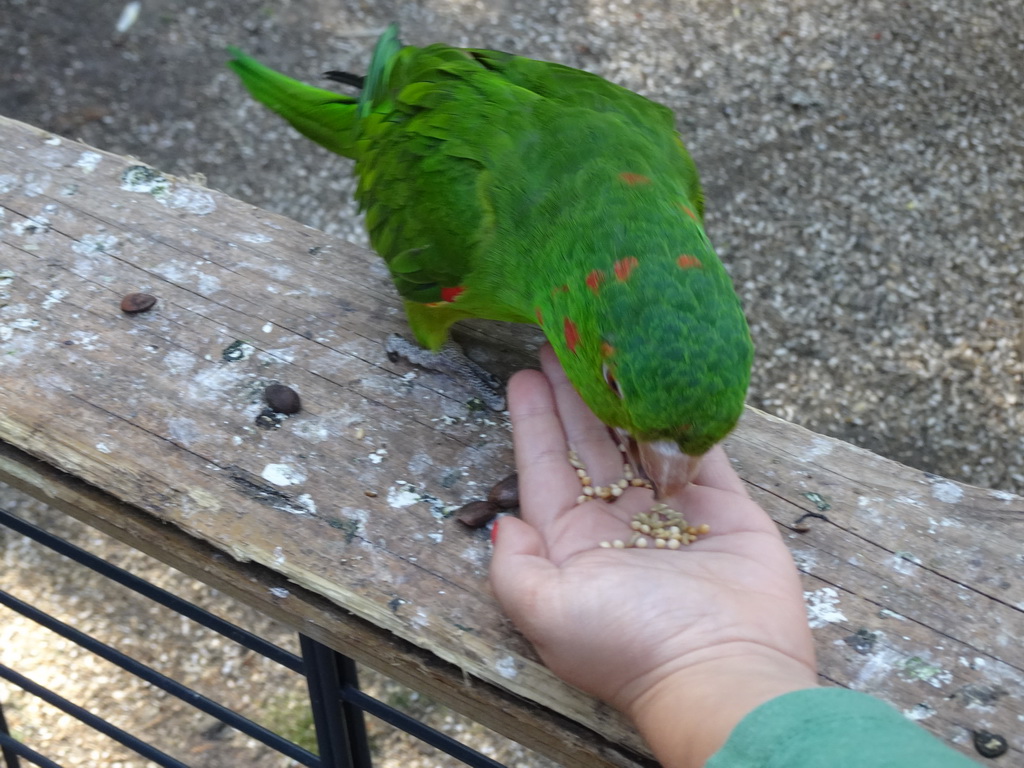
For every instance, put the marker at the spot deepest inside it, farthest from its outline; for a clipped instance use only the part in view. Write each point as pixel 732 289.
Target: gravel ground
pixel 863 165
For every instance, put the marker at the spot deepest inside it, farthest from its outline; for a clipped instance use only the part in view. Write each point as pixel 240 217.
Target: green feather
pixel 323 116
pixel 500 187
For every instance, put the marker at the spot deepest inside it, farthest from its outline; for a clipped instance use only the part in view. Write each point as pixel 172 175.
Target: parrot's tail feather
pixel 356 81
pixel 384 56
pixel 325 117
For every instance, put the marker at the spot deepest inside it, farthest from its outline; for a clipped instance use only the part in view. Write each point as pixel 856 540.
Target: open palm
pixel 617 622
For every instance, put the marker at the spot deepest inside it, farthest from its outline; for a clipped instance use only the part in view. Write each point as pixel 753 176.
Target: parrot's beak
pixel 668 468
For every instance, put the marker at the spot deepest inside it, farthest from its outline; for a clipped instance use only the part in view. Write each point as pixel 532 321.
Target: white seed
pixel 673 544
pixel 659 543
pixel 605 544
pixel 619 544
pixel 641 542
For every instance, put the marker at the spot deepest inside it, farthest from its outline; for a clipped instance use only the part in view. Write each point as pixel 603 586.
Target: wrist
pixel 687 714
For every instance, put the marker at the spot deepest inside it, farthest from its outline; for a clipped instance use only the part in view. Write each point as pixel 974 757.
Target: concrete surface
pixel 862 161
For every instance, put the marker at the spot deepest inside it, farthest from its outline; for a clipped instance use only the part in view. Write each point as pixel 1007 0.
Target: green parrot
pixel 500 187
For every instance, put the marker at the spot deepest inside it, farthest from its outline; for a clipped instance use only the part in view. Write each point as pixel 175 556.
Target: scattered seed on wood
pixel 371 494
pixel 477 514
pixel 990 744
pixel 505 493
pixel 268 419
pixel 133 303
pixel 282 399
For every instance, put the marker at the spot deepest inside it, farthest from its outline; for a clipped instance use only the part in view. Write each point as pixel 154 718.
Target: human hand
pixel 686 642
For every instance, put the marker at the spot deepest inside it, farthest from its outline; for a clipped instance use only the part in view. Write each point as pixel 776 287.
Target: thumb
pixel 520 570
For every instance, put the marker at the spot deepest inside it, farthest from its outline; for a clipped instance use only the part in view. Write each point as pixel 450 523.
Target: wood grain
pixel 146 425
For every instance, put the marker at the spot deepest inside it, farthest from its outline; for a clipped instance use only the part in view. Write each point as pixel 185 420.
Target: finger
pixel 715 471
pixel 548 485
pixel 587 435
pixel 519 569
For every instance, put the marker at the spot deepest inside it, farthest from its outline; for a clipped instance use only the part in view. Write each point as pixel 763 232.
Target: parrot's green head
pixel 661 350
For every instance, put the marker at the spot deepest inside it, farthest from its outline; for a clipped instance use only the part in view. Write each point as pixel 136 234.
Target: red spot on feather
pixel 572 335
pixel 607 350
pixel 559 289
pixel 688 212
pixel 594 280
pixel 451 294
pixel 634 179
pixel 686 261
pixel 624 266
pixel 540 317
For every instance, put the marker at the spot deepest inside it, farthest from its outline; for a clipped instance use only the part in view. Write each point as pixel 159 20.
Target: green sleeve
pixel 832 728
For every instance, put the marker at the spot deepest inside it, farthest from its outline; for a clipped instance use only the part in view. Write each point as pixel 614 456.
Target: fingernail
pixel 494 529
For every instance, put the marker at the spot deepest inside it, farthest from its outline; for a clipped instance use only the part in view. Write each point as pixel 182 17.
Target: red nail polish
pixel 494 529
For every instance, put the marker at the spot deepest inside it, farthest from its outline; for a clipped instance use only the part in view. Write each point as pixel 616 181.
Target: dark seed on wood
pixel 990 744
pixel 863 641
pixel 282 399
pixel 477 514
pixel 505 493
pixel 134 303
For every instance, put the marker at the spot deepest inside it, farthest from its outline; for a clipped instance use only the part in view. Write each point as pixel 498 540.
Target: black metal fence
pixel 338 704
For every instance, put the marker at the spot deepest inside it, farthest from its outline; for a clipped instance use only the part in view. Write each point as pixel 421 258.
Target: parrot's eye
pixel 613 385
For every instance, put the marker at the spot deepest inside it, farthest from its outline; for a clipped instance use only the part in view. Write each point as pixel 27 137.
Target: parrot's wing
pixel 576 88
pixel 427 161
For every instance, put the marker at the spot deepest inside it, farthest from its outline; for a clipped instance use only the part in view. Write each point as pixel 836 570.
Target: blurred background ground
pixel 863 165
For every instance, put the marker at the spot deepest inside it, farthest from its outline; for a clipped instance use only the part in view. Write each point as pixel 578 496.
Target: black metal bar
pixel 150 675
pixel 98 723
pixel 8 753
pixel 153 592
pixel 340 727
pixel 337 702
pixel 421 731
pixel 348 677
pixel 9 742
pixel 340 672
